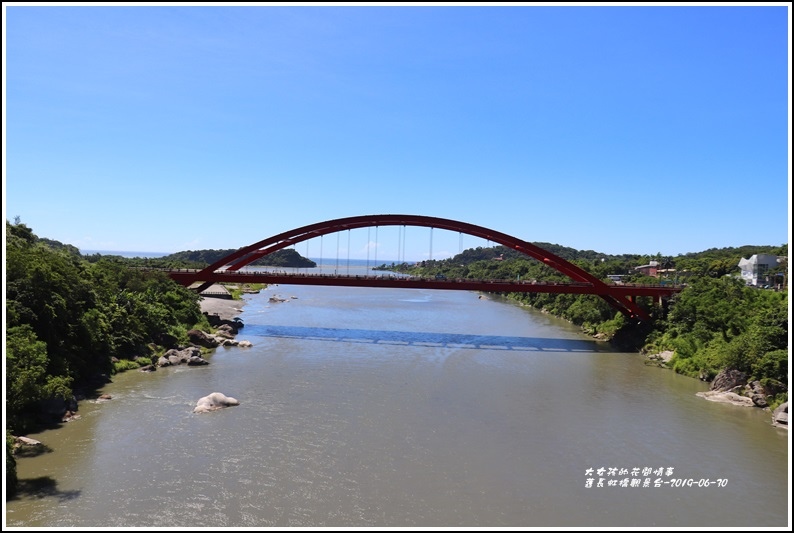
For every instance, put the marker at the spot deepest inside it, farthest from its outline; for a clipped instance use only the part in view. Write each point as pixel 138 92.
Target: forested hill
pixel 480 254
pixel 732 254
pixel 287 258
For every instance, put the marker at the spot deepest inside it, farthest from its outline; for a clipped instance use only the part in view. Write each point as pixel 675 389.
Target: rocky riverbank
pixel 222 315
pixel 733 387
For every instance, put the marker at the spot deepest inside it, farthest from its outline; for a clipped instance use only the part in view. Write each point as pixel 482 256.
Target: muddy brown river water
pixel 408 408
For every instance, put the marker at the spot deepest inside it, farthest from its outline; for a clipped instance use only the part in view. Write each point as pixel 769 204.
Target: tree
pixel 27 379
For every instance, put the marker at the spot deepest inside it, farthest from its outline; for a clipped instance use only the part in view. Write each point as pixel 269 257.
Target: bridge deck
pixel 187 277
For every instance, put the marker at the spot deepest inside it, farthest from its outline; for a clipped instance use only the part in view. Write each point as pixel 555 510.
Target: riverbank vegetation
pixel 715 323
pixel 237 290
pixel 72 321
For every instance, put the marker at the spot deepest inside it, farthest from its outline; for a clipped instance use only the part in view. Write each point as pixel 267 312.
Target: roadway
pixel 189 276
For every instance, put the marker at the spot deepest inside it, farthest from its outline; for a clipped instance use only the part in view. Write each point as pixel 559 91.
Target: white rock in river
pixel 214 401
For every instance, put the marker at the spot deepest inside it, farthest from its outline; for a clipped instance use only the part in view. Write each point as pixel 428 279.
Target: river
pixel 407 408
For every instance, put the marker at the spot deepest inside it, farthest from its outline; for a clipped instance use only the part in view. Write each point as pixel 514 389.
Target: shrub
pixel 779 400
pixel 772 365
pixel 126 364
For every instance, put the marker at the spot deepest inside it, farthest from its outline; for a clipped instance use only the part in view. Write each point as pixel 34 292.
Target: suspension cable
pixel 405 238
pixel 431 243
pixel 401 245
pixel 399 241
pixel 336 271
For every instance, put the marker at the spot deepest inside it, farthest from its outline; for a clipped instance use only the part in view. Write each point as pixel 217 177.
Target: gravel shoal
pixel 226 308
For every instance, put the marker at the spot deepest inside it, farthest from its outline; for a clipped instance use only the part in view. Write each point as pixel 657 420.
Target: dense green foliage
pixel 68 319
pixel 719 323
pixel 286 258
pixel 146 262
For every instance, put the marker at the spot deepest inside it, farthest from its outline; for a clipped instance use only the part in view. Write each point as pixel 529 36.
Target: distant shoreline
pixel 125 254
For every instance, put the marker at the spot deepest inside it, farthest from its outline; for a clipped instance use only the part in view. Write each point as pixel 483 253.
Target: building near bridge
pixel 216 290
pixel 649 270
pixel 755 270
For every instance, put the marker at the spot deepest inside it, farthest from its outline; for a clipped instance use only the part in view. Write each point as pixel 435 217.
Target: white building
pixel 754 269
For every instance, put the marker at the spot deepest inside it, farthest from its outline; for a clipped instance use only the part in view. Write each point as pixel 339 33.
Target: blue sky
pixel 641 130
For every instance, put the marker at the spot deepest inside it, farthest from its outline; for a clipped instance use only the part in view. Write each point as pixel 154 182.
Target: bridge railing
pixel 419 278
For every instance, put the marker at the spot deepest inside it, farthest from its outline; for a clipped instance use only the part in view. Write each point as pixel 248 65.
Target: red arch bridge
pixel 228 269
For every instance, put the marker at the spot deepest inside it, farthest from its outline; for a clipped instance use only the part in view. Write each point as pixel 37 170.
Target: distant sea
pixel 124 254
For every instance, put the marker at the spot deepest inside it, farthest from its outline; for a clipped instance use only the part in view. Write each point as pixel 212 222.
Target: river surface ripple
pixel 406 408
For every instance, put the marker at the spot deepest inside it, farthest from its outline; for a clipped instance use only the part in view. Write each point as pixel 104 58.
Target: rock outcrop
pixel 755 391
pixel 26 441
pixel 223 336
pixel 780 416
pixel 726 397
pixel 662 357
pixel 216 321
pixel 728 380
pixel 732 386
pixel 199 338
pixel 190 356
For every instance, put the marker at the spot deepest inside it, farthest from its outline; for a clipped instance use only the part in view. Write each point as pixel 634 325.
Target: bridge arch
pixel 248 254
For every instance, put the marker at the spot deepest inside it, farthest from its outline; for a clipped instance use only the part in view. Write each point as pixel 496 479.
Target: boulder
pixel 780 416
pixel 184 353
pixel 213 402
pixel 200 338
pixel 197 360
pixel 190 356
pixel 216 321
pixel 728 379
pixel 755 391
pixel 26 441
pixel 225 331
pixel 663 357
pixel 68 416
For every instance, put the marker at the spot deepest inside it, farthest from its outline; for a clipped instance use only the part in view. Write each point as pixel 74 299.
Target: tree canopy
pixel 68 319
